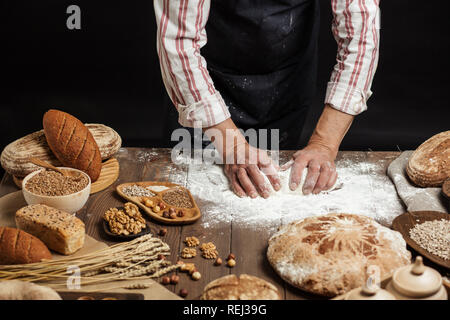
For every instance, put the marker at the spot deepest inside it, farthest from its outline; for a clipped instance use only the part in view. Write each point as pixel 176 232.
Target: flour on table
pixel 363 192
pixel 284 182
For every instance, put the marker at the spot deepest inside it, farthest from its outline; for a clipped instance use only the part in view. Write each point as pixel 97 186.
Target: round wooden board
pixel 404 222
pixel 109 174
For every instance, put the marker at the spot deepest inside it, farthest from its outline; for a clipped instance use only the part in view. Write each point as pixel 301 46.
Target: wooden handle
pixel 42 163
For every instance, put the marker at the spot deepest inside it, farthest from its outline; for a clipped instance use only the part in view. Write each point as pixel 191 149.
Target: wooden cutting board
pixel 109 174
pixel 404 222
pixel 77 295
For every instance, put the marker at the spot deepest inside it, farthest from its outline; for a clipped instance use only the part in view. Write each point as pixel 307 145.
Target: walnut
pixel 207 246
pixel 125 222
pixel 192 241
pixel 188 253
pixel 209 251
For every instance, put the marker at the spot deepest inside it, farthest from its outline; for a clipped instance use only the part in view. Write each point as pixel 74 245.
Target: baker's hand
pixel 246 173
pixel 322 173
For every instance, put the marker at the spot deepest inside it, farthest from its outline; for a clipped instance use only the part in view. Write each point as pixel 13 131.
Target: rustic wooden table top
pixel 248 246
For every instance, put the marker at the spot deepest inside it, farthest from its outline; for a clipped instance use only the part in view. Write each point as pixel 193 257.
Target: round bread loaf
pixel 245 287
pixel 332 254
pixel 15 157
pixel 429 165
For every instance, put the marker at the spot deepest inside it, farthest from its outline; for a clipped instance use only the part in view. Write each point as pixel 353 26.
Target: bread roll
pixel 72 143
pixel 245 287
pixel 20 290
pixel 429 165
pixel 19 247
pixel 59 230
pixel 332 254
pixel 15 158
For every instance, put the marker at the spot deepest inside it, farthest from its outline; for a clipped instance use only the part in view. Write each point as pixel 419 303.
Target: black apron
pixel 262 57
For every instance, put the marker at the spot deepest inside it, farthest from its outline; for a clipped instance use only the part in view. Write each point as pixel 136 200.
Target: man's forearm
pixel 225 136
pixel 331 129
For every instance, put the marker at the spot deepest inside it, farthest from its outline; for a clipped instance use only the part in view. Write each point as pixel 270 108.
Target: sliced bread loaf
pixel 59 230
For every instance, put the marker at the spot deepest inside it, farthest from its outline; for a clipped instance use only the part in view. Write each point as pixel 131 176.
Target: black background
pixel 108 72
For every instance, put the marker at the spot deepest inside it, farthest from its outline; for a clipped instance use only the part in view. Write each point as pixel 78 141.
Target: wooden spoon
pixel 42 163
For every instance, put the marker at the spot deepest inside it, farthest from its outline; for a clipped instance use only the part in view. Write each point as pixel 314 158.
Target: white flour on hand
pixel 363 192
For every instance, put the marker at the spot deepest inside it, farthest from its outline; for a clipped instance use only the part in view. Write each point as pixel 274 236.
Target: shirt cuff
pixel 207 112
pixel 346 99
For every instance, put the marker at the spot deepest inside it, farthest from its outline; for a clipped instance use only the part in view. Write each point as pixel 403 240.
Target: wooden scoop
pixel 43 164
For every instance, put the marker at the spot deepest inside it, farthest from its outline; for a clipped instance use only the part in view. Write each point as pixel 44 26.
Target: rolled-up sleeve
pixel 355 27
pixel 180 36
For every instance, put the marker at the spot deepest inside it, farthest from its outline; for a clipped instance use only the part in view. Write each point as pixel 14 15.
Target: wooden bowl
pixel 403 223
pixel 123 237
pixel 190 214
pixel 446 191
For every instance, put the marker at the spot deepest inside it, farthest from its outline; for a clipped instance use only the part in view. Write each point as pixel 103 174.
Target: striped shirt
pixel 181 34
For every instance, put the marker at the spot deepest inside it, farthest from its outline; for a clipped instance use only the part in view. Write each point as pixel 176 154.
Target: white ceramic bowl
pixel 70 203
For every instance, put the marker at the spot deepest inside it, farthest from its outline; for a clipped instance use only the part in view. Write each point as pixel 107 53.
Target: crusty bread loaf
pixel 19 247
pixel 15 158
pixel 429 165
pixel 72 143
pixel 21 290
pixel 59 230
pixel 245 287
pixel 332 254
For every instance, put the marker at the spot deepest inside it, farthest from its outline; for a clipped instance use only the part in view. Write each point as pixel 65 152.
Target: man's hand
pixel 244 164
pixel 322 173
pixel 246 175
pixel 319 155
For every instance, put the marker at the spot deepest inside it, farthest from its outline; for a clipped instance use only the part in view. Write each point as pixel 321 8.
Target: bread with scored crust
pixel 72 143
pixel 20 247
pixel 330 255
pixel 15 158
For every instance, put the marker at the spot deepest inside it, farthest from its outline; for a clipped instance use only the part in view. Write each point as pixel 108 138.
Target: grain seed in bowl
pixel 137 191
pixel 52 183
pixel 178 198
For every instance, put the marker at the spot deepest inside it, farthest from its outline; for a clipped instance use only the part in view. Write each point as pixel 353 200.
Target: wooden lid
pixel 417 280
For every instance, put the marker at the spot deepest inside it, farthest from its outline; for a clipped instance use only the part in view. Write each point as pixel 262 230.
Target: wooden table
pixel 248 246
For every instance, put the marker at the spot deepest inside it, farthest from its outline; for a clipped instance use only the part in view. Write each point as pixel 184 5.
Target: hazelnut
pixel 192 270
pixel 149 203
pixel 165 280
pixel 166 215
pixel 162 232
pixel 180 213
pixel 174 279
pixel 162 206
pixel 231 256
pixel 172 210
pixel 156 209
pixel 218 262
pixel 173 215
pixel 161 257
pixel 183 293
pixel 196 276
pixel 231 263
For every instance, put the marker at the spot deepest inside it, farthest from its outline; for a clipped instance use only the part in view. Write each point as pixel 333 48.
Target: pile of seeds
pixel 52 183
pixel 137 191
pixel 433 236
pixel 178 198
